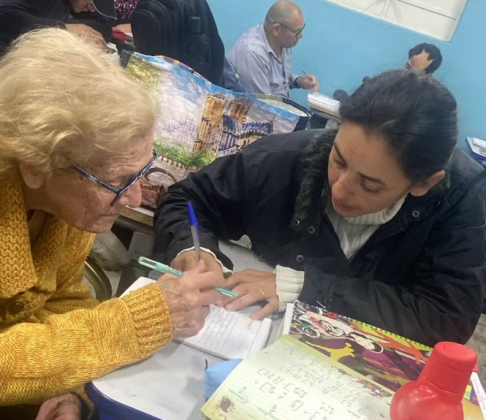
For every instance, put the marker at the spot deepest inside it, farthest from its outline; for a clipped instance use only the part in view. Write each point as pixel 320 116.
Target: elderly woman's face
pixel 85 204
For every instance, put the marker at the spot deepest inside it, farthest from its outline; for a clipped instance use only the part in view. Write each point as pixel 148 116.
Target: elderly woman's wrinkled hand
pixel 189 297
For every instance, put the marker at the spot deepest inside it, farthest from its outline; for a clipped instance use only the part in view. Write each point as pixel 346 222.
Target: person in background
pixel 69 164
pixel 20 16
pixel 382 221
pixel 262 57
pixel 424 59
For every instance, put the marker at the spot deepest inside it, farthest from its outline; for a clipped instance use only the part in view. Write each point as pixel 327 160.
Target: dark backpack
pixel 184 30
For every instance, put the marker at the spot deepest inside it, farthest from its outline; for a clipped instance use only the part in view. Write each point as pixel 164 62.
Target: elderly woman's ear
pixel 33 177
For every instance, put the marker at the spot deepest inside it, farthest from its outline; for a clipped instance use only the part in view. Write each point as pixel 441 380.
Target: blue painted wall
pixel 341 46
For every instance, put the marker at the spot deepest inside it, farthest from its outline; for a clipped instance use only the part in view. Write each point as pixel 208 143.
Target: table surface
pixel 169 385
pixel 139 214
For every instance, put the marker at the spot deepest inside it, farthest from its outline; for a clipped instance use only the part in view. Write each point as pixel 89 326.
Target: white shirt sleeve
pixel 289 285
pixel 225 269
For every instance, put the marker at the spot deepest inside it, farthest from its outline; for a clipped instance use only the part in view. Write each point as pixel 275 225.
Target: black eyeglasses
pixel 296 32
pixel 117 191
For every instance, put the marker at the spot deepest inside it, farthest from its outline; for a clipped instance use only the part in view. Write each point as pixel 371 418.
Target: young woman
pixel 382 221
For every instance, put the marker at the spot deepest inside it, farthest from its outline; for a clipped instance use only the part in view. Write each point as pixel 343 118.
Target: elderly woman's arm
pixel 71 293
pixel 39 361
pixel 79 340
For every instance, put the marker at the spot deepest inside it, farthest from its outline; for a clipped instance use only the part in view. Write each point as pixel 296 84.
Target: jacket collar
pixel 309 204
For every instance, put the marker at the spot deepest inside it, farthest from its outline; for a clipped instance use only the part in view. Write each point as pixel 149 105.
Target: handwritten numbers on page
pixel 230 335
pixel 290 381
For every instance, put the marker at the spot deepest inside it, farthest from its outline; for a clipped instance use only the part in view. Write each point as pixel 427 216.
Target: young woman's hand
pixel 253 286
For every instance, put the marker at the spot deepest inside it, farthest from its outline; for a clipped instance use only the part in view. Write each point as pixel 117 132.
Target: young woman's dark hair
pixel 415 115
pixel 433 52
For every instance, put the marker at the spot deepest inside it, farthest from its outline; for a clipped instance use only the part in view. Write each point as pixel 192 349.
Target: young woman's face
pixel 364 176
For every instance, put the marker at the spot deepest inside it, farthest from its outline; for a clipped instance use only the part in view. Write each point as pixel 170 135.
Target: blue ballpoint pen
pixel 194 230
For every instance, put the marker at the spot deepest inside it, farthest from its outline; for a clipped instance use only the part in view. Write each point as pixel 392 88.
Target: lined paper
pixel 230 335
pixel 290 381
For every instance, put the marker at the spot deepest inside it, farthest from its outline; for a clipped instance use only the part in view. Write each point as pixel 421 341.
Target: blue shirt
pixel 258 66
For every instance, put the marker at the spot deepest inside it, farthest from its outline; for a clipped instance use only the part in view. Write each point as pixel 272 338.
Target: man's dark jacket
pixel 421 275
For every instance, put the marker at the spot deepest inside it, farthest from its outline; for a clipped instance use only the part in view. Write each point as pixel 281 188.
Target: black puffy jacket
pixel 421 275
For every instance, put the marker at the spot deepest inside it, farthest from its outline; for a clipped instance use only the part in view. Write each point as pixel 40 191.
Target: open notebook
pixel 386 358
pixel 228 335
pixel 291 381
pixel 326 367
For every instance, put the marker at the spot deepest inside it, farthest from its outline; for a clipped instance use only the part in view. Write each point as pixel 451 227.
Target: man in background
pixel 424 59
pixel 262 57
pixel 20 16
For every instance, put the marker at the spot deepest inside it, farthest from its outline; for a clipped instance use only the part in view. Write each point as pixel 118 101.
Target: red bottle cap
pixel 450 366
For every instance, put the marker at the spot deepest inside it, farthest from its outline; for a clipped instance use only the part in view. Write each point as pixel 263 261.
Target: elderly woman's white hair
pixel 64 100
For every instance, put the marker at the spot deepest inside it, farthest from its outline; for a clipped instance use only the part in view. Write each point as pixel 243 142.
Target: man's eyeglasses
pixel 296 32
pixel 117 191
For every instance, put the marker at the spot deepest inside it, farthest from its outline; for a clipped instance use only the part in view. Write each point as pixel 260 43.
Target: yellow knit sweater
pixel 54 336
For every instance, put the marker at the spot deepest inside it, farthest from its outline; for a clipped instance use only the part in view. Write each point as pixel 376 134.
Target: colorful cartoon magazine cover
pixel 386 358
pixel 199 121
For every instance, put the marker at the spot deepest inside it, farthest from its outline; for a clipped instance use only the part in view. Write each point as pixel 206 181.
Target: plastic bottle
pixel 437 394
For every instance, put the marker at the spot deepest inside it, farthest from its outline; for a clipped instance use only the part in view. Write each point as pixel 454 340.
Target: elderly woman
pixel 75 138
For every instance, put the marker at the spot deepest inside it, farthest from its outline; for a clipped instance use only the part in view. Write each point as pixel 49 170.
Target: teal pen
pixel 154 265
